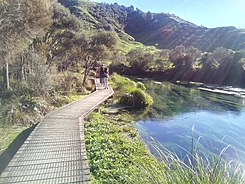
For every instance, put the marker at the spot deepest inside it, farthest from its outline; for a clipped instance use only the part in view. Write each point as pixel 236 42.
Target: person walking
pixel 102 75
pixel 106 77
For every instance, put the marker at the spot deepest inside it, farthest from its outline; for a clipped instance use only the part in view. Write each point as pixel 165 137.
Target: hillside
pixel 168 31
pixel 160 29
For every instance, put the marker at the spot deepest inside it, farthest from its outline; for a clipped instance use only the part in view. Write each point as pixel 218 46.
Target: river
pixel 218 121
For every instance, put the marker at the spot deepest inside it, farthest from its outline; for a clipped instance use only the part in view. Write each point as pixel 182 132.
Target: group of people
pixel 104 75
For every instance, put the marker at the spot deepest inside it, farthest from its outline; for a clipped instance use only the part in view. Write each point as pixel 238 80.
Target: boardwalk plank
pixel 55 150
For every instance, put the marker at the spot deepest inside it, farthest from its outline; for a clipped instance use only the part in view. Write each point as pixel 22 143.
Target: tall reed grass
pixel 193 169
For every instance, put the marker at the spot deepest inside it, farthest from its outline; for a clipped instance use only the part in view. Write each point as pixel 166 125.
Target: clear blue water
pixel 218 120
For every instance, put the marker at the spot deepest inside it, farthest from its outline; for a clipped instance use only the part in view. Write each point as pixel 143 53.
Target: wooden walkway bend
pixel 55 151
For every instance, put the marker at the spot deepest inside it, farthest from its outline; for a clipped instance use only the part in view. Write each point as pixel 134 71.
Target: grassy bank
pixel 8 134
pixel 114 149
pixel 117 155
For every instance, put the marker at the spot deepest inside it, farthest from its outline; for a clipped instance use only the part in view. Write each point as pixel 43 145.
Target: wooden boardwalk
pixel 55 151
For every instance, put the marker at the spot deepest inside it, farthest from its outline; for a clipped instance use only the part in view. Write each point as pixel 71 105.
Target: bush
pixel 89 85
pixel 59 101
pixel 141 85
pixel 137 99
pixel 122 84
pixel 25 110
pixel 6 94
pixel 34 105
pixel 65 82
pixel 92 74
pixel 119 68
pixel 130 93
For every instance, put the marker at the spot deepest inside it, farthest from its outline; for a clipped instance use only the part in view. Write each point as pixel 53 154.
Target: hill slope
pixel 159 29
pixel 168 31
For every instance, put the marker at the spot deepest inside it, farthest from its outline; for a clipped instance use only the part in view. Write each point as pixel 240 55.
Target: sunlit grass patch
pixel 113 147
pixel 7 134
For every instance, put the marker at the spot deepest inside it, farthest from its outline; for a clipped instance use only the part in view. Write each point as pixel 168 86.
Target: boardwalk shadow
pixel 9 153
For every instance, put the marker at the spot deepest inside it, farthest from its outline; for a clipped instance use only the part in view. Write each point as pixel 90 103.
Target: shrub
pixel 67 82
pixel 122 84
pixel 141 85
pixel 6 94
pixel 130 93
pixel 92 74
pixel 136 98
pixel 89 85
pixel 59 101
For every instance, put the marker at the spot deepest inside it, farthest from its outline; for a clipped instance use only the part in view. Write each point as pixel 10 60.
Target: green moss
pixel 122 84
pixel 140 85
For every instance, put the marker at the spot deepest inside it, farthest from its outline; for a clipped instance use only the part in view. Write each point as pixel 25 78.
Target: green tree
pixel 21 21
pixel 139 60
pixel 90 50
pixel 162 62
pixel 181 56
pixel 223 55
pixel 59 37
pixel 208 61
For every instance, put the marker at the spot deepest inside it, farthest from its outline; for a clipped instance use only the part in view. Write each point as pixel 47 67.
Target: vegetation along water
pixel 50 48
pixel 119 155
pixel 217 119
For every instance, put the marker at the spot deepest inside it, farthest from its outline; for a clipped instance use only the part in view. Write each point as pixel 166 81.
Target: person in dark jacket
pixel 102 74
pixel 106 77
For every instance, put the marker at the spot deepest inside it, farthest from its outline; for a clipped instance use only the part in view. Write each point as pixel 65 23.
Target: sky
pixel 208 13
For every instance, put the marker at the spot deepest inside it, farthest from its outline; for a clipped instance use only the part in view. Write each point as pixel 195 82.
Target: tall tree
pixel 61 34
pixel 20 22
pixel 92 49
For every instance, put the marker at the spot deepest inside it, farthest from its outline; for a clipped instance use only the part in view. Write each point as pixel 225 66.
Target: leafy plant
pixel 112 148
pixel 130 93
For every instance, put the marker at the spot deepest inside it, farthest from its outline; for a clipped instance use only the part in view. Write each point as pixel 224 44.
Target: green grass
pixel 113 148
pixel 61 100
pixel 7 134
pixel 117 155
pixel 199 170
pixel 127 46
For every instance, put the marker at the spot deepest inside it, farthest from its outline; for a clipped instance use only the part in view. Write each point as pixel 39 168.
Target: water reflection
pixel 172 99
pixel 218 119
